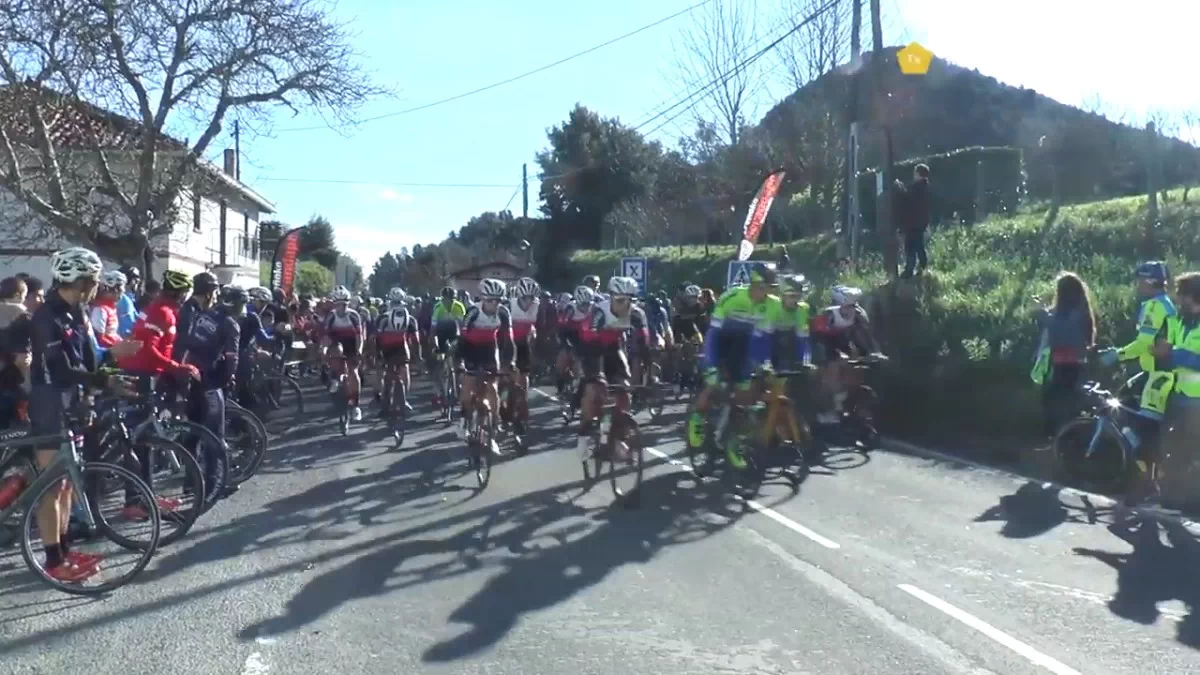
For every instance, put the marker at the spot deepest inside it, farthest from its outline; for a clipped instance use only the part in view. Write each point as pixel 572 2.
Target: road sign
pixel 635 268
pixel 739 272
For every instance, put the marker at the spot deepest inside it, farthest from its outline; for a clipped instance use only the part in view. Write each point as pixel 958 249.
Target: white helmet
pixel 622 286
pixel 491 288
pixel 113 279
pixel 846 295
pixel 340 294
pixel 259 293
pixel 396 295
pixel 584 295
pixel 526 287
pixel 564 299
pixel 74 263
pixel 691 291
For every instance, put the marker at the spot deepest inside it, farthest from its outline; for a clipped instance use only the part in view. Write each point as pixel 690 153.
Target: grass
pixel 962 335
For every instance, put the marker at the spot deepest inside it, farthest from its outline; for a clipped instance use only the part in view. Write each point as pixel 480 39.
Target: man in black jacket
pixel 914 203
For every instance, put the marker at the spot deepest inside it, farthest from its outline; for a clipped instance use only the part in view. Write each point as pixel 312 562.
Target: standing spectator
pixel 35 292
pixel 913 211
pixel 103 313
pixel 15 358
pixel 1068 331
pixel 127 302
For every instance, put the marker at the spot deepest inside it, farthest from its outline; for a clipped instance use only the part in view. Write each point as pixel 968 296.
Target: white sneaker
pixel 583 446
pixel 356 414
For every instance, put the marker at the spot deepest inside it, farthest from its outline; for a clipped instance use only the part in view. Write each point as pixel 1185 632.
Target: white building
pixel 215 228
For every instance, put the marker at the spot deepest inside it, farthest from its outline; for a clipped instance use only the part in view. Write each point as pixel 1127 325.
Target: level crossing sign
pixel 738 273
pixel 635 268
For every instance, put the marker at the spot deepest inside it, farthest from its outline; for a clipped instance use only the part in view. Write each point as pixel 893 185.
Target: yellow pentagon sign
pixel 914 59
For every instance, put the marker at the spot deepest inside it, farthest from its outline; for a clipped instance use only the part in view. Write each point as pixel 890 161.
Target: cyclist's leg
pixel 617 371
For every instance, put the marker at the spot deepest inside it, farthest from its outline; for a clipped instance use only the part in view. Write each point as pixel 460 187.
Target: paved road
pixel 345 556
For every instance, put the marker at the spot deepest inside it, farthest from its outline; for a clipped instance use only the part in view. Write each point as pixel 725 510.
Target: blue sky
pixel 432 50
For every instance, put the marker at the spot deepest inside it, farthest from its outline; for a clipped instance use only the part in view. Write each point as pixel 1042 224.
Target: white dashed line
pixel 256 664
pixel 1034 656
pixel 761 508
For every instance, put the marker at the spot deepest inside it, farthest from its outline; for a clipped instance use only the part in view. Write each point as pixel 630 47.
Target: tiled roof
pixel 72 123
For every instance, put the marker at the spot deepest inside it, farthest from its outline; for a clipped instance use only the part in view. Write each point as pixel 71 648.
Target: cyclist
pixel 487 329
pixel 738 342
pixel 254 339
pixel 593 282
pixel 603 351
pixel 345 328
pixel 791 348
pixel 687 313
pixel 396 335
pixel 1154 312
pixel 446 319
pixel 103 313
pixel 127 312
pixel 571 320
pixel 841 330
pixel 524 310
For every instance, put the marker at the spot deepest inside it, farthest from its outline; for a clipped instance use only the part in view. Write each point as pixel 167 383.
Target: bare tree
pixel 821 45
pixel 709 55
pixel 89 90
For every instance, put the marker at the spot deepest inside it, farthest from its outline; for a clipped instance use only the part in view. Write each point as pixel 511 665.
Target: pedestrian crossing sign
pixel 739 272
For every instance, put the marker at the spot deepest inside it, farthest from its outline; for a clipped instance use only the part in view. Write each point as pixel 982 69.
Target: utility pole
pixel 237 149
pixel 852 206
pixel 883 212
pixel 524 190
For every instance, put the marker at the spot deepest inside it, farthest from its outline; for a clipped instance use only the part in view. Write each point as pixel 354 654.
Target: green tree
pixel 313 278
pixel 317 242
pixel 387 272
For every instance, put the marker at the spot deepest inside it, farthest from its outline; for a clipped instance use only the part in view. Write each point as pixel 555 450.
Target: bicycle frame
pixel 66 464
pixel 780 411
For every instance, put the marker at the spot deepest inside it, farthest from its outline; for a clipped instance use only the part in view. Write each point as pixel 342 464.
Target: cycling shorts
pixel 733 356
pixel 685 328
pixel 568 337
pixel 349 346
pixel 397 354
pixel 477 358
pixel 608 363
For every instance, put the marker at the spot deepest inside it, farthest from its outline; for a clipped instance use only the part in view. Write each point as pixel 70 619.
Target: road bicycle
pixel 615 447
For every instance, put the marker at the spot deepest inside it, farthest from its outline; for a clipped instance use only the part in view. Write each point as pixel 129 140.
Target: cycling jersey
pixel 211 345
pixel 104 321
pixel 745 328
pixel 791 326
pixel 455 312
pixel 1152 318
pixel 481 328
pixel 607 329
pixel 837 333
pixel 63 354
pixel 573 317
pixel 394 328
pixel 156 329
pixel 523 320
pixel 344 326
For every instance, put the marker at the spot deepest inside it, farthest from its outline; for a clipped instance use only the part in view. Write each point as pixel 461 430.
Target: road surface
pixel 344 556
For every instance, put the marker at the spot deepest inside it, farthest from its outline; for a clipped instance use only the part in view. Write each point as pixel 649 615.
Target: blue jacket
pixel 211 344
pixel 126 315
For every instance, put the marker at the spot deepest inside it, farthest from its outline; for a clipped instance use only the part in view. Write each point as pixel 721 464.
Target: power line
pixel 510 199
pixel 386 184
pixel 522 76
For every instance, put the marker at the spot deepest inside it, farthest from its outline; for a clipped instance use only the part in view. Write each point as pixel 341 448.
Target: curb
pixel 905 447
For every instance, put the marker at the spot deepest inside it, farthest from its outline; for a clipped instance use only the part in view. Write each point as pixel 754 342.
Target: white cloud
pixel 391 195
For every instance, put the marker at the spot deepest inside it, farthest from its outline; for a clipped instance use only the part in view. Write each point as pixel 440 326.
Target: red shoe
pixel 135 512
pixel 168 504
pixel 72 573
pixel 81 559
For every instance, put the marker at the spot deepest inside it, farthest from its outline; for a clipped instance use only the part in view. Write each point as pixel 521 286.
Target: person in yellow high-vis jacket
pixel 1181 353
pixel 1155 310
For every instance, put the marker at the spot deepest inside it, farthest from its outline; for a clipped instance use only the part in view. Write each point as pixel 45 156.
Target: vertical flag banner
pixel 757 214
pixel 283 267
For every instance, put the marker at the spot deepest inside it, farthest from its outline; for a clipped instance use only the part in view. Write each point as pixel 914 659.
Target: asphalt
pixel 346 556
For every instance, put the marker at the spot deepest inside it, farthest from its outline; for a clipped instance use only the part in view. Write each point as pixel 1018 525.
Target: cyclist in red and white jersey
pixel 524 310
pixel 603 351
pixel 571 320
pixel 345 328
pixel 487 328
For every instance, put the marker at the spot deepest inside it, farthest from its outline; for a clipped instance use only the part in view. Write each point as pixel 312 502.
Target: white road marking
pixel 1032 655
pixel 761 508
pixel 255 664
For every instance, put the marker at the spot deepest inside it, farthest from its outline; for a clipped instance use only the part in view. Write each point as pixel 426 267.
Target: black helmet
pixel 447 292
pixel 234 295
pixel 205 283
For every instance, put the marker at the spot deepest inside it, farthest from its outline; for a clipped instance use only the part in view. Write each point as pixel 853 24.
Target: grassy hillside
pixel 962 336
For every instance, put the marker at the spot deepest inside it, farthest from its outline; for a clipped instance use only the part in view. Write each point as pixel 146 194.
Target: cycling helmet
pixel 846 295
pixel 396 295
pixel 491 288
pixel 260 293
pixel 691 291
pixel 795 283
pixel 340 294
pixel 74 263
pixel 113 280
pixel 622 286
pixel 130 272
pixel 764 273
pixel 584 295
pixel 564 299
pixel 205 283
pixel 591 279
pixel 525 287
pixel 174 281
pixel 234 295
pixel 1153 270
pixel 546 296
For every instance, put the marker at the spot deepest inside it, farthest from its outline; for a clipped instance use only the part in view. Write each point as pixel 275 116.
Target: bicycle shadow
pixel 1154 572
pixel 1037 508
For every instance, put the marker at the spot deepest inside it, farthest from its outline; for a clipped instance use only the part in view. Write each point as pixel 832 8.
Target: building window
pixel 196 213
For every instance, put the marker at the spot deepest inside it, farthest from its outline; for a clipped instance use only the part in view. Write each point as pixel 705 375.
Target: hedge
pixel 955 178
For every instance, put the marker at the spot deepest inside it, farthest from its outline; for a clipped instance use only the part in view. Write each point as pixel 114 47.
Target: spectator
pixel 14 354
pixel 127 309
pixel 912 216
pixel 103 314
pixel 1068 331
pixel 35 292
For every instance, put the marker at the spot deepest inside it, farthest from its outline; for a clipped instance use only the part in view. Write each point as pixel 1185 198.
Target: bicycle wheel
pixel 481 460
pixel 176 479
pixel 208 450
pixel 281 402
pixel 10 528
pixel 398 413
pixel 246 440
pixel 97 477
pixel 1090 452
pixel 625 464
pixel 590 460
pixel 860 408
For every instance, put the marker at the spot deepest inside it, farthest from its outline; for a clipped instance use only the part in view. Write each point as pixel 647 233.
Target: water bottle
pixel 1131 436
pixel 11 488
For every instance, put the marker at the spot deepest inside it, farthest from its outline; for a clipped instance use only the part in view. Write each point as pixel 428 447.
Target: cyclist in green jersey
pixel 738 343
pixel 791 349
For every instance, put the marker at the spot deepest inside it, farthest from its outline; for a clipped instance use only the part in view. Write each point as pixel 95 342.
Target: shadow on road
pixel 1154 571
pixel 1037 508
